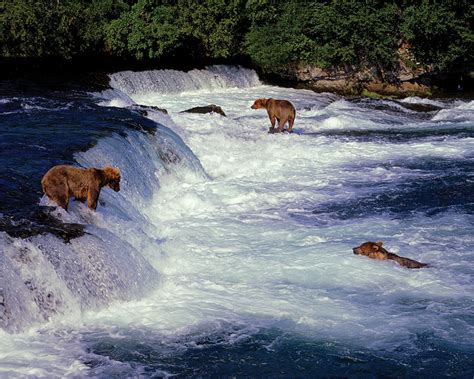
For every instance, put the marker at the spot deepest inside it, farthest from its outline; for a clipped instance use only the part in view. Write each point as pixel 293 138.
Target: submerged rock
pixel 40 221
pixel 211 108
pixel 419 107
pixel 144 109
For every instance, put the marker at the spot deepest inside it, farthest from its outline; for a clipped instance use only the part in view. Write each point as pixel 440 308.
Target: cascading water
pixel 53 277
pixel 228 251
pixel 172 81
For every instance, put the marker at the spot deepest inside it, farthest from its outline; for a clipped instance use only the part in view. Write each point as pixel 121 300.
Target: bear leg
pixel 57 191
pixel 291 121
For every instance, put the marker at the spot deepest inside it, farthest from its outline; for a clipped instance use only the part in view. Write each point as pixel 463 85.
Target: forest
pixel 270 35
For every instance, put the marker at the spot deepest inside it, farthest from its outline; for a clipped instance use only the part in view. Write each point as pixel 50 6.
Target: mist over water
pixel 228 251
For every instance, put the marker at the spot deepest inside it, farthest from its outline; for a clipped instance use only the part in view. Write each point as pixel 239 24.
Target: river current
pixel 228 251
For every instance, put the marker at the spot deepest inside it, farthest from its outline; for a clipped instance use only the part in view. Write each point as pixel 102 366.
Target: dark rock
pixel 41 221
pixel 170 157
pixel 417 107
pixel 143 109
pixel 152 107
pixel 211 108
pixel 406 78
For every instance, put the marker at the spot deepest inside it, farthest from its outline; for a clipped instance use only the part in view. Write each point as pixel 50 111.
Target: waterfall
pixel 43 277
pixel 172 81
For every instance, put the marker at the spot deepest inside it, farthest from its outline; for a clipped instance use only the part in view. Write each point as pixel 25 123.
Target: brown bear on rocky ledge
pixel 375 250
pixel 63 181
pixel 281 110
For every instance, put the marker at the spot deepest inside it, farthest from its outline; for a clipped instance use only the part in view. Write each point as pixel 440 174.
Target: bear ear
pixel 112 172
pixel 379 243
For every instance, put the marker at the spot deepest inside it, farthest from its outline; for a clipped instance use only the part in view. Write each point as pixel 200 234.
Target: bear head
pixel 112 177
pixel 371 249
pixel 260 103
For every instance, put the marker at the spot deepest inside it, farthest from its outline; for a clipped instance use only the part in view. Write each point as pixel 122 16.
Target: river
pixel 228 251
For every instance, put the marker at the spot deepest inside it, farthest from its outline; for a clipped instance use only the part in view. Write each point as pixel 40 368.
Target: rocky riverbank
pixel 407 78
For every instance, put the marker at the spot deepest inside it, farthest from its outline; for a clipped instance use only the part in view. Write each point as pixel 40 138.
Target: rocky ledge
pixel 407 78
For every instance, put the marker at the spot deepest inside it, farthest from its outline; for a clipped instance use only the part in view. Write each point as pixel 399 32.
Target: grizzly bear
pixel 375 250
pixel 63 181
pixel 281 110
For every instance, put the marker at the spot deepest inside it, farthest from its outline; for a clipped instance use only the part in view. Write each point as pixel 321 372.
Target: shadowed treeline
pixel 273 35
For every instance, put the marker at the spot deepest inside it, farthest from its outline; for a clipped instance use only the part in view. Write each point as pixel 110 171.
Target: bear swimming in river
pixel 281 110
pixel 63 181
pixel 375 250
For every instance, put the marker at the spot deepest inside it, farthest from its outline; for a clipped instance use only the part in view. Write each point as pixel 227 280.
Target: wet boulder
pixel 144 109
pixel 211 108
pixel 40 220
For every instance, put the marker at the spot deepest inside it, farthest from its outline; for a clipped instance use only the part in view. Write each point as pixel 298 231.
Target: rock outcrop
pixel 211 108
pixel 405 79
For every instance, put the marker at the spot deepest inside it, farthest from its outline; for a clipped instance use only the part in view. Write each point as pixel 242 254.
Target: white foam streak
pixel 463 112
pixel 114 98
pixel 420 100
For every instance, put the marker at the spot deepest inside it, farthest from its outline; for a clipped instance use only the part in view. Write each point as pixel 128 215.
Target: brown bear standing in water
pixel 375 250
pixel 281 110
pixel 62 182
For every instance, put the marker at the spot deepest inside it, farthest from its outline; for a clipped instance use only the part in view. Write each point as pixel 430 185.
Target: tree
pixel 149 31
pixel 347 32
pixel 51 28
pixel 441 34
pixel 216 26
pixel 277 36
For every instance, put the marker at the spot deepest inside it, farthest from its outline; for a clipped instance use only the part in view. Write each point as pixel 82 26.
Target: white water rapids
pixel 226 234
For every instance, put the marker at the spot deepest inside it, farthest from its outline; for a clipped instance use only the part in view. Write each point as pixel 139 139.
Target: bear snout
pixel 115 186
pixel 356 250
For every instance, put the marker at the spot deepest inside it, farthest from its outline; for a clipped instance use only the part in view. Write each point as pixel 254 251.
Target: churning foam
pixel 244 243
pixel 226 221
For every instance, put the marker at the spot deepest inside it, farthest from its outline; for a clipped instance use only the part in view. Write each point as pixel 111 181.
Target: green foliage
pixel 149 30
pixel 156 29
pixel 276 44
pixel 275 35
pixel 349 33
pixel 441 36
pixel 370 94
pixel 214 25
pixel 53 28
pixel 326 34
pixel 22 30
pixel 342 33
pixel 261 12
pixel 97 16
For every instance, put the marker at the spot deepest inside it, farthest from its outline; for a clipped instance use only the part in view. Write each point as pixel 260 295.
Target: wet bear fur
pixel 375 250
pixel 281 110
pixel 84 184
